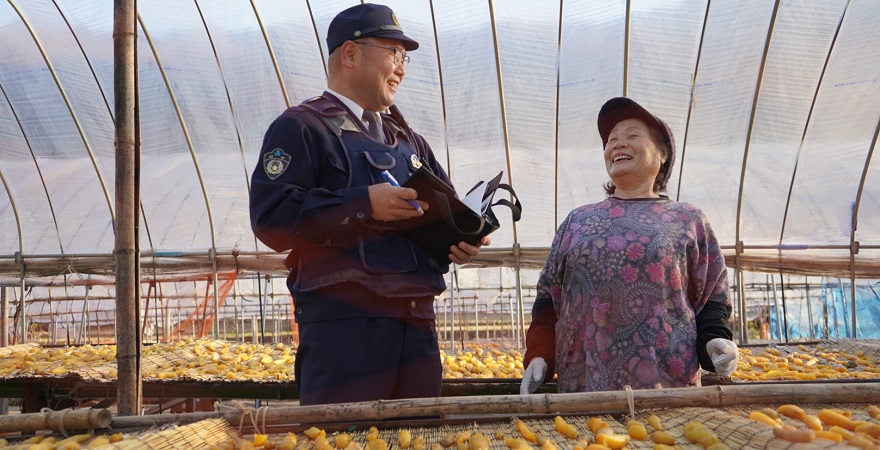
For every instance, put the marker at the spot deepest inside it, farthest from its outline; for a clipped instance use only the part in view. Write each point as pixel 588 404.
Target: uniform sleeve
pixel 708 290
pixel 298 187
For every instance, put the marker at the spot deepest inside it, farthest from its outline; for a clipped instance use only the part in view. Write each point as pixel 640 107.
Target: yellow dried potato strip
pixel 758 416
pixel 377 444
pixel 871 429
pixel 843 432
pixel 793 411
pixel 517 444
pixel 342 440
pixel 812 422
pixel 792 434
pixel 831 417
pixel 663 437
pixel 636 430
pixel 861 441
pixel 829 436
pixel 595 424
pixel 770 412
pixel 699 434
pixel 582 444
pixel 478 441
pixel 526 432
pixel 597 447
pixel 404 438
pixel 315 433
pixel 612 441
pixel 566 429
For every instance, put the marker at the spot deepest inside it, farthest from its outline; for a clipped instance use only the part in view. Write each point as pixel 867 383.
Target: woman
pixel 634 291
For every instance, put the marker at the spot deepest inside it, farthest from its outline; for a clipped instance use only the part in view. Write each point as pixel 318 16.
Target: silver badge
pixel 414 160
pixel 275 163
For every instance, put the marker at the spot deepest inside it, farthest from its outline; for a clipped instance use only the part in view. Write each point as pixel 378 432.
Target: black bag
pixel 448 220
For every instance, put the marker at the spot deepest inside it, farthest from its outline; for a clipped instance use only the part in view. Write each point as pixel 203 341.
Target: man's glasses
pixel 400 59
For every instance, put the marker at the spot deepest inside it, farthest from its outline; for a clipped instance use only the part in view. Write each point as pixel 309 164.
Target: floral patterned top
pixel 627 279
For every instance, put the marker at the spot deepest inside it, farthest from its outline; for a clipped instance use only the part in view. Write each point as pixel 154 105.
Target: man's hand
pixel 464 253
pixel 724 355
pixel 392 203
pixel 533 376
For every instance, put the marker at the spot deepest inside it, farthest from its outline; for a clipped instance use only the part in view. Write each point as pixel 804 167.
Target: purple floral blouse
pixel 627 278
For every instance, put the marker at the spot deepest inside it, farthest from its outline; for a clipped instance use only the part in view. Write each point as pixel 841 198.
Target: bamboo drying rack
pixel 540 404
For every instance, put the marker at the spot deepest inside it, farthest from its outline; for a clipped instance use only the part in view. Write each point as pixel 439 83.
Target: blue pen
pixel 390 178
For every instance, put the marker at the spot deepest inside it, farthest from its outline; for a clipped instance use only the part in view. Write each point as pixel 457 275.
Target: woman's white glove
pixel 534 376
pixel 724 355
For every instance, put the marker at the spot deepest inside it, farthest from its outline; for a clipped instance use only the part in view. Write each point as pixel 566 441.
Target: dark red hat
pixel 622 108
pixel 365 20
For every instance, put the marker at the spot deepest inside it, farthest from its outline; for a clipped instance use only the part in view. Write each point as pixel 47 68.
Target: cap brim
pixel 622 108
pixel 409 43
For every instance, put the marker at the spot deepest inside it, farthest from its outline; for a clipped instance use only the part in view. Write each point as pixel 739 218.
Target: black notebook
pixel 450 220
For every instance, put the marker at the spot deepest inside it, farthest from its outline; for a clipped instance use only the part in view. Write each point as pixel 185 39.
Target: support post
pixel 129 387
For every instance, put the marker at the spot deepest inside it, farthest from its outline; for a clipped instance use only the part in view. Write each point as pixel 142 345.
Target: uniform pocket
pixel 377 162
pixel 386 253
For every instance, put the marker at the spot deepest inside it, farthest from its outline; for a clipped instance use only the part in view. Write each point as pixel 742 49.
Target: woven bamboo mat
pixel 731 425
pixel 200 435
pixel 870 347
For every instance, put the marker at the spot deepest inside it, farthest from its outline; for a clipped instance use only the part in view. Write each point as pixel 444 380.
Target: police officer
pixel 363 292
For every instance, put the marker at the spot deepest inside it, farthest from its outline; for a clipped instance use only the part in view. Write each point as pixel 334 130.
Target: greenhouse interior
pixel 775 111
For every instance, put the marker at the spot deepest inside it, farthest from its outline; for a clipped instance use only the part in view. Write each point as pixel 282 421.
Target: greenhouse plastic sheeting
pixel 774 106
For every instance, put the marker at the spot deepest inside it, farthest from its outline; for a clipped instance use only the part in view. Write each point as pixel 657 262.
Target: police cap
pixel 366 20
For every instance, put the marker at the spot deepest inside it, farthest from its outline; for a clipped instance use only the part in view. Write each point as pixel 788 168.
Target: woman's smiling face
pixel 632 156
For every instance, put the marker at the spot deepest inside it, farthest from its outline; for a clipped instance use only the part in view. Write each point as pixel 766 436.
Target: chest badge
pixel 275 163
pixel 414 160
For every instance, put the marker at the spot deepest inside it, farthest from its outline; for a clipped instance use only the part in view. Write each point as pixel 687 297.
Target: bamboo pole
pixel 574 403
pixel 57 421
pixel 126 245
pixel 4 318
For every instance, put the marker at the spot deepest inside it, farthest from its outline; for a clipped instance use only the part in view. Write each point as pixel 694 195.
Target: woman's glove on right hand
pixel 534 376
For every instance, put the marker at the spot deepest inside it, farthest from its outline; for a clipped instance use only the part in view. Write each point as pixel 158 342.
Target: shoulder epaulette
pixel 336 117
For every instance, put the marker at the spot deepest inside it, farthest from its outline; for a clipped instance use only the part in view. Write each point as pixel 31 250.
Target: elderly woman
pixel 634 291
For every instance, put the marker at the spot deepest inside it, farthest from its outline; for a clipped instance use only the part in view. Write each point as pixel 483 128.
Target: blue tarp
pixel 831 311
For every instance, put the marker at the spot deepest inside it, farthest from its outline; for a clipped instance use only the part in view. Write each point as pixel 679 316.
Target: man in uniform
pixel 364 293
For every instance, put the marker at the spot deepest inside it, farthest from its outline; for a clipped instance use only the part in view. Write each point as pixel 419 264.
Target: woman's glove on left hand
pixel 724 355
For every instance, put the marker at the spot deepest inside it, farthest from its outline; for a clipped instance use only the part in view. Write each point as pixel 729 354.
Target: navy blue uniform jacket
pixel 309 196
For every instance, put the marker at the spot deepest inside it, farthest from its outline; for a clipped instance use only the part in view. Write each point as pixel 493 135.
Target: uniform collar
pixel 351 105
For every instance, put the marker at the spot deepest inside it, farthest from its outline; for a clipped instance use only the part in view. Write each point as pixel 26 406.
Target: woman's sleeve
pixel 541 336
pixel 708 290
